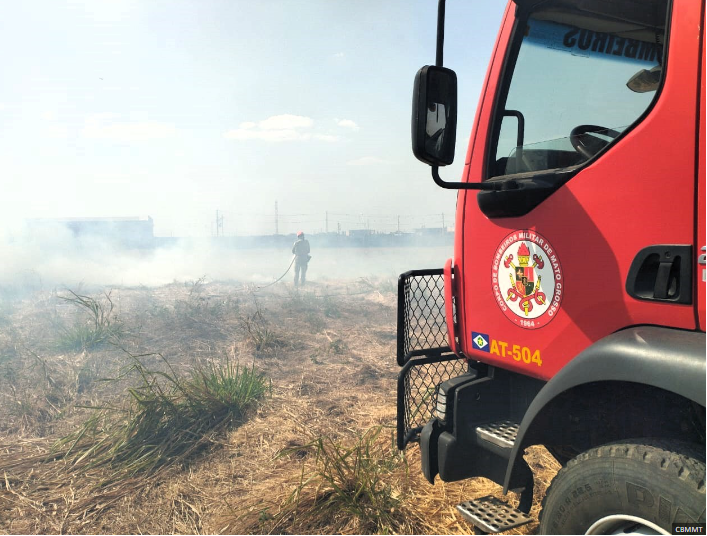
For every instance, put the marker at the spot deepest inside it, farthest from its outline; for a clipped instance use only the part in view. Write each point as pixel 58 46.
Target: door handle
pixel 661 273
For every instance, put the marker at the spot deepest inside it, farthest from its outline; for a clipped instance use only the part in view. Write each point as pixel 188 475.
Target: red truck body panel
pixel 700 276
pixel 640 192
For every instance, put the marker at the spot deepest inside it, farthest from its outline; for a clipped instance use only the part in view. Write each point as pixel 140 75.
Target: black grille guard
pixel 422 350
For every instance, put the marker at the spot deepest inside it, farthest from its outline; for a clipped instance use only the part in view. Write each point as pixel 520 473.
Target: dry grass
pixel 316 456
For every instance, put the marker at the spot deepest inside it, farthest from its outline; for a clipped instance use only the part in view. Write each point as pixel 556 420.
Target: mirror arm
pixel 440 34
pixel 485 186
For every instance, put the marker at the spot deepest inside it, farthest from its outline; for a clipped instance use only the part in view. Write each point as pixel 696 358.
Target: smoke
pixel 51 255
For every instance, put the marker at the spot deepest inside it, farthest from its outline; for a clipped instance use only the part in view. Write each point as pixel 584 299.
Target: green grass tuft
pixel 167 418
pixel 348 489
pixel 100 325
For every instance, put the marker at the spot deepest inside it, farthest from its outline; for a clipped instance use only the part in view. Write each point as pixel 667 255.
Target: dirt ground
pixel 328 351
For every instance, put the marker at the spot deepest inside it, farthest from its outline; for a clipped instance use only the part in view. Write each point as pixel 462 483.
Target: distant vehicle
pixel 572 314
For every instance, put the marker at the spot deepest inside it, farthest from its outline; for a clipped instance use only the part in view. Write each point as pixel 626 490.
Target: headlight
pixel 441 404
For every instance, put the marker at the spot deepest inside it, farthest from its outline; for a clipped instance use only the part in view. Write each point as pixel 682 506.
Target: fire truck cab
pixel 572 312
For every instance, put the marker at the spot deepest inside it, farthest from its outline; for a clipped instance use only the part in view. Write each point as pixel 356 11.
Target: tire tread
pixel 677 459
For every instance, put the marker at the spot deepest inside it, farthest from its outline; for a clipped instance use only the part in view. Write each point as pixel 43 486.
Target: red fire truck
pixel 572 313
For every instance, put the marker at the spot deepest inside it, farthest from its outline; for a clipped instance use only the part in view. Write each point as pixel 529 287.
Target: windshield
pixel 564 78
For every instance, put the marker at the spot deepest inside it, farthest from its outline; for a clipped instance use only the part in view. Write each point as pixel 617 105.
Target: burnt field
pixel 213 407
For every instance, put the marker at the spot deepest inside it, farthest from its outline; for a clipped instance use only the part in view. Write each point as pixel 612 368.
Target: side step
pixel 492 515
pixel 500 433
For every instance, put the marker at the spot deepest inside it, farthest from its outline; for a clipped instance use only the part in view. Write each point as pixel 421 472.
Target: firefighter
pixel 301 251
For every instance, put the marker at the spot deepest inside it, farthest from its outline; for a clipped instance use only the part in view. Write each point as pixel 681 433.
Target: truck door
pixel 591 121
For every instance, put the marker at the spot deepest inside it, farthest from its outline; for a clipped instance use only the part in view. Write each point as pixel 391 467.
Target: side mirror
pixel 434 115
pixel 644 80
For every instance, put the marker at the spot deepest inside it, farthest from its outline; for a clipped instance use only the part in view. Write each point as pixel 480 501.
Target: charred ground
pixel 314 453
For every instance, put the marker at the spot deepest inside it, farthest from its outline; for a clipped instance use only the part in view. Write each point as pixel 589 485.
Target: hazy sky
pixel 176 109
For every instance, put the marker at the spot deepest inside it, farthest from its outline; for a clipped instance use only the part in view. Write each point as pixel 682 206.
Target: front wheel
pixel 633 487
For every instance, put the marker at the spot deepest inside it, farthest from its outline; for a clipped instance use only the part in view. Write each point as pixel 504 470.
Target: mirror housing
pixel 434 115
pixel 645 80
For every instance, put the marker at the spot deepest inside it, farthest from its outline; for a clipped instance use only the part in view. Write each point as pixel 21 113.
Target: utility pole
pixel 277 231
pixel 442 221
pixel 326 221
pixel 219 224
pixel 398 222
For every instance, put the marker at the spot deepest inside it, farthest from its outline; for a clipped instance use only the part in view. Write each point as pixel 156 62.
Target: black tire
pixel 659 481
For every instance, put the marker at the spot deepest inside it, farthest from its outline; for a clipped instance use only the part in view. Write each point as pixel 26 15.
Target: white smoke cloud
pixel 348 123
pixel 279 128
pixel 50 256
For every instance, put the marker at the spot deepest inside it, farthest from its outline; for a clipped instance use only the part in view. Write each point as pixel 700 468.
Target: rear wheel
pixel 634 487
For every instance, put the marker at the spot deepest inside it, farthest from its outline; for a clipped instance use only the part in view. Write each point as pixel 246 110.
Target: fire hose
pixel 283 275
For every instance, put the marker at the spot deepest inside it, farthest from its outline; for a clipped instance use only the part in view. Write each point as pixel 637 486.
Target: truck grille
pixel 418 384
pixel 422 351
pixel 422 324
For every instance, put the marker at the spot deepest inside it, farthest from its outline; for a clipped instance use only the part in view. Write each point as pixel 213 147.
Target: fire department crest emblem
pixel 527 279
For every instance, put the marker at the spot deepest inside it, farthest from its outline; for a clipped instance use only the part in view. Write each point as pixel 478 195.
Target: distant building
pixel 135 232
pixel 356 233
pixel 428 231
